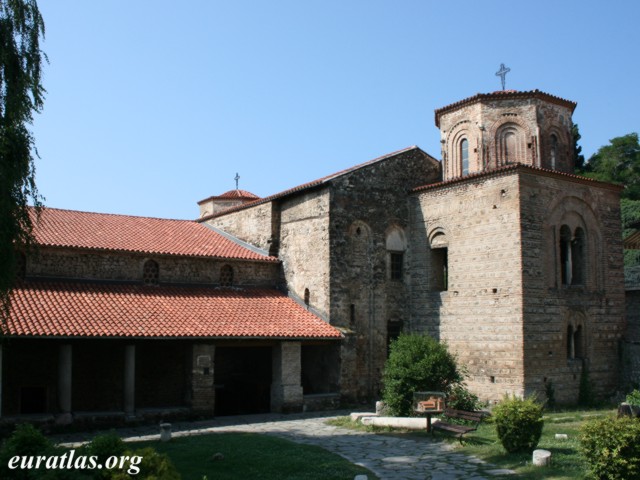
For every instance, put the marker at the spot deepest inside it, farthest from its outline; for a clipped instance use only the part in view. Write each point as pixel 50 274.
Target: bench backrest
pixel 464 415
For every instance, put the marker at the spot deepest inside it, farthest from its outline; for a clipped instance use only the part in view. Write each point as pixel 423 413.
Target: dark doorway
pixel 33 400
pixel 242 377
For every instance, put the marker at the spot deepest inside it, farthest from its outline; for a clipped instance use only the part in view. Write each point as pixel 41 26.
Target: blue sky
pixel 154 105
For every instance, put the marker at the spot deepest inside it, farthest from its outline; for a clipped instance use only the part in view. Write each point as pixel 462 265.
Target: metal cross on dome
pixel 502 73
pixel 236 178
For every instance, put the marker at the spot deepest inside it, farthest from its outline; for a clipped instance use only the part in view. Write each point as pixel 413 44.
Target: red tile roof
pixel 310 185
pixel 99 231
pixel 69 309
pixel 505 94
pixel 232 195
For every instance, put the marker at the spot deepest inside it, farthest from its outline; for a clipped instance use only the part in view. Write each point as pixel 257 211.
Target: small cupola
pixel 229 199
pixel 492 130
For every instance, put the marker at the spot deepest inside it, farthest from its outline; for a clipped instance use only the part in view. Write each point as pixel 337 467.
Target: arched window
pixel 396 246
pixel 510 148
pixel 578 343
pixel 572 256
pixel 151 272
pixel 439 262
pixel 464 156
pixel 577 257
pixel 553 154
pixel 565 255
pixel 575 342
pixel 307 297
pixel 226 276
pixel 571 352
pixel 510 144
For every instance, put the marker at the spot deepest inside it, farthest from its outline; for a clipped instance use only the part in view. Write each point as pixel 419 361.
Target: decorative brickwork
pixel 527 128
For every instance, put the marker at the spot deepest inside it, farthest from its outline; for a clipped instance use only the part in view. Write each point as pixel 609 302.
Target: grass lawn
pixel 566 461
pixel 248 455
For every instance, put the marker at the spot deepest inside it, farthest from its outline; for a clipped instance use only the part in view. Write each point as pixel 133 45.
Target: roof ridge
pixel 304 186
pixel 45 207
pixel 60 228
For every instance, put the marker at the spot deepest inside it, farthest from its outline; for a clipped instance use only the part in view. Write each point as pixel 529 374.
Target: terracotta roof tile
pixel 99 231
pixel 70 309
pixel 232 195
pixel 238 194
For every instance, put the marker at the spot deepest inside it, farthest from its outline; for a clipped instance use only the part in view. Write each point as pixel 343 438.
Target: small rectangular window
pixel 396 265
pixel 439 269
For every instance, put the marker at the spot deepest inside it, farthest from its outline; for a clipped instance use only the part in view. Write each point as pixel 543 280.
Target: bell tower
pixel 492 130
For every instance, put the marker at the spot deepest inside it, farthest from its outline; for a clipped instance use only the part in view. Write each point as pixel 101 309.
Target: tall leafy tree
pixel 619 162
pixel 577 149
pixel 21 95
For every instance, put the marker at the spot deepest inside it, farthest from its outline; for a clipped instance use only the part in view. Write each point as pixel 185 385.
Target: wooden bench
pixel 473 417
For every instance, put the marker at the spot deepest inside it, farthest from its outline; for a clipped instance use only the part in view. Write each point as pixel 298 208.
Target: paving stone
pixel 500 471
pixel 387 457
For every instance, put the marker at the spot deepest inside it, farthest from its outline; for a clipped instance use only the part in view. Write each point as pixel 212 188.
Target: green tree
pixel 630 210
pixel 21 94
pixel 618 162
pixel 577 149
pixel 417 363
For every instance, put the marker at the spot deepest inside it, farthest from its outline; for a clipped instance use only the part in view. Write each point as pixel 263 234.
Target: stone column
pixel 65 366
pixel 286 388
pixel 130 381
pixel 203 394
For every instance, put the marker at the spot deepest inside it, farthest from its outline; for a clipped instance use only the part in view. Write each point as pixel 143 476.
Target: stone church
pixel 289 302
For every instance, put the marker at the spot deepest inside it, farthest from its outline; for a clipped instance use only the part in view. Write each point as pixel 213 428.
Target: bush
pixel 611 448
pixel 518 423
pixel 459 398
pixel 26 440
pixel 105 446
pixel 416 363
pixel 633 398
pixel 153 466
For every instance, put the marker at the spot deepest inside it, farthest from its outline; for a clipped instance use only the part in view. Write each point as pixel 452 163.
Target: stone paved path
pixel 388 457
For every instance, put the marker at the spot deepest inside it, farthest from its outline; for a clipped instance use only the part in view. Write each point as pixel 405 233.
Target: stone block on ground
pixel 541 458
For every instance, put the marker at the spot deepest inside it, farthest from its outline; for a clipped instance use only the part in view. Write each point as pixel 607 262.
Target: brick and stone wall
pixel 332 242
pixel 630 372
pixel 253 225
pixel 506 312
pixel 479 314
pixel 74 265
pixel 304 247
pixel 367 205
pixel 590 308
